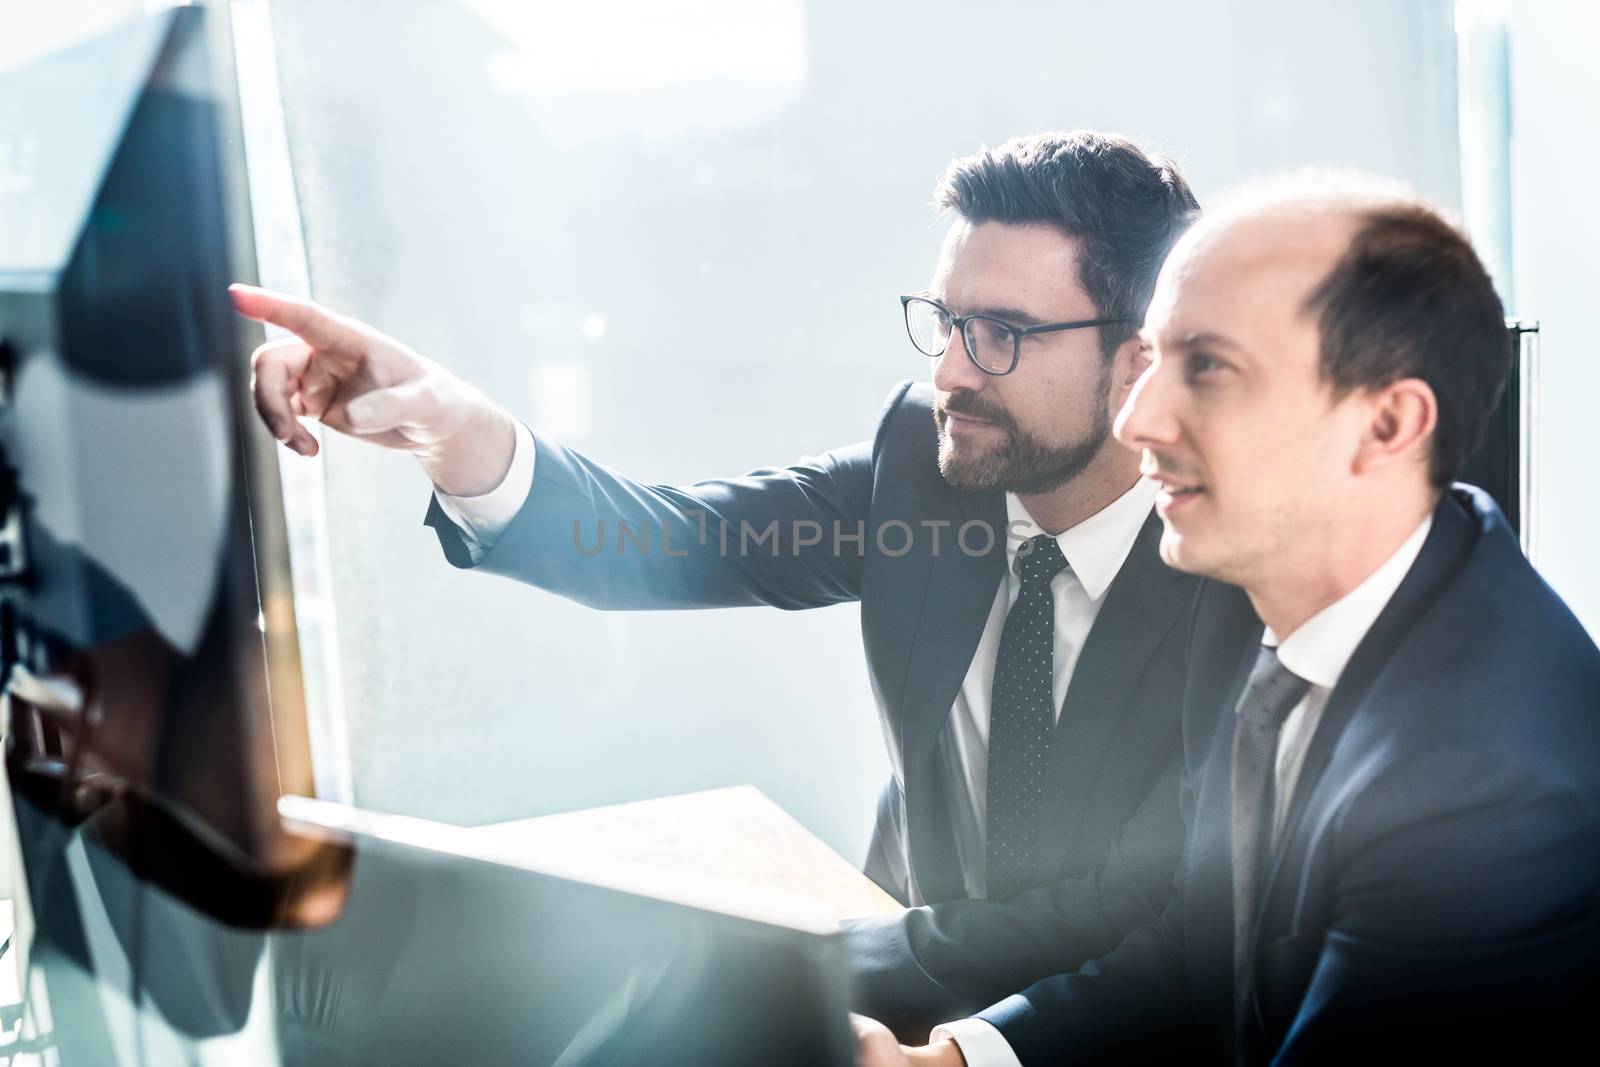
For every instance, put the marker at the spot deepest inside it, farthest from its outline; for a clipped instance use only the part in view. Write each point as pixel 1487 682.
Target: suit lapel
pixel 1142 603
pixel 1448 543
pixel 955 606
pixel 959 594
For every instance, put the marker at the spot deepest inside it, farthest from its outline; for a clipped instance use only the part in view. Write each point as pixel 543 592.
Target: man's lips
pixel 1174 491
pixel 958 418
pixel 1178 488
pixel 1174 497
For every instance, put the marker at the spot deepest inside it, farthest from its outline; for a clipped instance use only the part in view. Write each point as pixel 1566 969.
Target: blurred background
pixel 671 235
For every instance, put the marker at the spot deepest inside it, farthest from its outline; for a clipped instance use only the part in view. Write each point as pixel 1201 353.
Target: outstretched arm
pixel 791 537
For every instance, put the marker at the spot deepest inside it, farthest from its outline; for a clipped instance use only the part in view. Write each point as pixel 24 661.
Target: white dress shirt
pixel 482 519
pixel 1095 550
pixel 1317 651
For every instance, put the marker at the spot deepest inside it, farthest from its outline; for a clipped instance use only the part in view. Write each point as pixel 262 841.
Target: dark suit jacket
pixel 1112 832
pixel 1435 890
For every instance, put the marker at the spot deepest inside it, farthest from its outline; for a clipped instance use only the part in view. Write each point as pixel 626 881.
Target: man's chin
pixel 962 469
pixel 1172 550
pixel 1185 552
pixel 967 481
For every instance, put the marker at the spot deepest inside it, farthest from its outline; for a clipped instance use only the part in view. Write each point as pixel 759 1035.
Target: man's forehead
pixel 1257 267
pixel 992 263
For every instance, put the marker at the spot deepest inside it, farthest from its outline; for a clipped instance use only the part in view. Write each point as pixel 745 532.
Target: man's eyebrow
pixel 1207 339
pixel 1010 314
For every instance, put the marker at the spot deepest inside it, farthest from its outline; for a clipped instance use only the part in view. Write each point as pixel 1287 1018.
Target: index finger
pixel 311 322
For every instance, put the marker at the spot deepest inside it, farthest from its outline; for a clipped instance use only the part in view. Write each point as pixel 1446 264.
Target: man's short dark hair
pixel 1411 299
pixel 1125 206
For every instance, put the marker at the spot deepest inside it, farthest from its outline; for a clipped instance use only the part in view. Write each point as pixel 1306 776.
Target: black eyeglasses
pixel 994 345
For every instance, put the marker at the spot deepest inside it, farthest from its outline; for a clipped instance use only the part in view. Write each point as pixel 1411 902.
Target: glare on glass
pixel 994 345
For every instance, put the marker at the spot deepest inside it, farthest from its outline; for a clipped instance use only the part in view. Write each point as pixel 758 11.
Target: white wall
pixel 29 28
pixel 1555 164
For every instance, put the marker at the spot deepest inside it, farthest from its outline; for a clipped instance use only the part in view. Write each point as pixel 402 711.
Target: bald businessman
pixel 1392 725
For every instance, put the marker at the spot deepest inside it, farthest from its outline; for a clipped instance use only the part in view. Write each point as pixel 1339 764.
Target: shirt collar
pixel 1319 649
pixel 1095 548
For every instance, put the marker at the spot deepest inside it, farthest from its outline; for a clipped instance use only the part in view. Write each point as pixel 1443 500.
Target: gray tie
pixel 1269 695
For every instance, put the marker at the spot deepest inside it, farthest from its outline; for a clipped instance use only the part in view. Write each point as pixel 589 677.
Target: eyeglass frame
pixel 958 323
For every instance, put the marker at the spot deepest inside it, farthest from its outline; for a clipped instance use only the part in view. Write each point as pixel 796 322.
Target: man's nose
pixel 1148 418
pixel 955 370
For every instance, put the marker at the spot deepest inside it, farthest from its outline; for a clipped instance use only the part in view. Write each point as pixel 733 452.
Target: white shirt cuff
pixel 980 1043
pixel 483 518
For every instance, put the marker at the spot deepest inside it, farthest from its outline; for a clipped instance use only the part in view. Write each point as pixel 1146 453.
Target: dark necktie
pixel 1021 720
pixel 1269 695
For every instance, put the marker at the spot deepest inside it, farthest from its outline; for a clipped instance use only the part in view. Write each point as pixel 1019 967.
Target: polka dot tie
pixel 1021 720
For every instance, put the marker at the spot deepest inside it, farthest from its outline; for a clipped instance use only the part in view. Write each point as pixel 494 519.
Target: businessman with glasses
pixel 1026 645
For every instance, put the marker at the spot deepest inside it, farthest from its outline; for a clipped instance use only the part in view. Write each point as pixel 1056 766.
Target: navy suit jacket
pixel 1112 832
pixel 1435 889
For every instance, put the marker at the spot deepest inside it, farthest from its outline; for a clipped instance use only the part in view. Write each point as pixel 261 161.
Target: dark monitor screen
pixel 144 574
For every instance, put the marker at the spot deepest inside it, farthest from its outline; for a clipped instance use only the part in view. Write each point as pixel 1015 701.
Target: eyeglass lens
pixel 989 342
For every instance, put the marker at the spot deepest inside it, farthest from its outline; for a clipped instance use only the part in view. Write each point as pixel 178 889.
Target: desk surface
pixel 737 836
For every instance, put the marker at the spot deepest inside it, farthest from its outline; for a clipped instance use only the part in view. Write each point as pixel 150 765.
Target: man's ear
pixel 1128 365
pixel 1402 418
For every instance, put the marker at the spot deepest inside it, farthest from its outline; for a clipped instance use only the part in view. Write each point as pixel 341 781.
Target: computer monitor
pixel 147 632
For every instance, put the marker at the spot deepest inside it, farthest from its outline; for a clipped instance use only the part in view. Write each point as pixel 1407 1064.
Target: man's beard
pixel 1022 463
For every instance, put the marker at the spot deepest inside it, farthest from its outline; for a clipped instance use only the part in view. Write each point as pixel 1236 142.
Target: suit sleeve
pixel 934 963
pixel 1129 1005
pixel 1467 925
pixel 792 537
